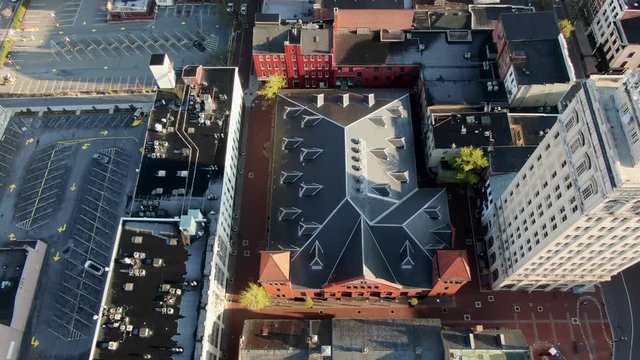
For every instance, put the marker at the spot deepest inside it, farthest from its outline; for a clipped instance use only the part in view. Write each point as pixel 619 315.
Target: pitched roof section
pixel 356 211
pixel 453 265
pixel 274 266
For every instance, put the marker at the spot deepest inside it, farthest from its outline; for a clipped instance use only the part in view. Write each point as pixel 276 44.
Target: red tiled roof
pixel 274 266
pixel 374 19
pixel 453 265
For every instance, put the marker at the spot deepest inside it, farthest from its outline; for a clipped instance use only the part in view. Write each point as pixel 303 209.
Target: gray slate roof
pixel 365 214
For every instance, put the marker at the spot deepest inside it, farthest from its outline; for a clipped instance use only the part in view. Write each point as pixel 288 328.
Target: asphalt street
pixel 621 297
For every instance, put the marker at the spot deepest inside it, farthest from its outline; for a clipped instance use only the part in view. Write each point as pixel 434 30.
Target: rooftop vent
pixel 472 341
pixel 378 120
pixel 397 142
pixel 315 252
pixel 307 228
pixel 396 111
pixel 432 212
pixel 309 189
pixel 288 213
pixel 289 176
pixel 370 99
pixel 309 154
pixel 344 100
pixel 400 176
pixel 309 121
pixel 292 111
pixel 381 189
pixel 406 252
pixel 319 99
pixel 380 153
pixel 290 143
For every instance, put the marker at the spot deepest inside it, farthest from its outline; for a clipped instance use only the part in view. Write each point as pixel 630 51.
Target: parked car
pixel 94 268
pixel 199 45
pixel 243 9
pixel 101 158
pixel 230 6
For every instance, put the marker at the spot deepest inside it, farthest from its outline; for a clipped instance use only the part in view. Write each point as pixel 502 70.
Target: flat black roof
pixel 142 306
pixel 280 339
pixel 267 18
pixel 530 129
pixel 540 25
pixel 157 59
pixel 631 28
pixel 545 62
pixel 220 83
pixel 486 16
pixel 368 49
pixel 12 262
pixel 471 129
pixel 442 20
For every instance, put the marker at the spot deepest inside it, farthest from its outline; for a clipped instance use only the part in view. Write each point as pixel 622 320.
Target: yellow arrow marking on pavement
pixel 104 133
pixel 57 257
pixel 12 237
pixel 142 149
pixel 85 146
pixel 29 141
pixel 34 342
pixel 62 228
pixel 12 187
pixel 73 187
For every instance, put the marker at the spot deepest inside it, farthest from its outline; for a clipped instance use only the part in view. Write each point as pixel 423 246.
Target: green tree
pixel 308 303
pixel 469 164
pixel 566 28
pixel 413 301
pixel 272 86
pixel 255 297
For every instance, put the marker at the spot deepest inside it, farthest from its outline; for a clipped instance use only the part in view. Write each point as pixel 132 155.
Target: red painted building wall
pixel 301 70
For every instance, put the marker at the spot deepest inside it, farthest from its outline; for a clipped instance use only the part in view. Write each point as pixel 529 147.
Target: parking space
pixel 91 242
pixel 88 121
pixel 131 44
pixel 82 84
pixel 187 10
pixel 40 193
pixel 44 14
pixel 12 139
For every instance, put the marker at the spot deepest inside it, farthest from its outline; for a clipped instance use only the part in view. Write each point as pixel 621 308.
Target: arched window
pixel 571 121
pixel 584 165
pixel 590 189
pixel 578 142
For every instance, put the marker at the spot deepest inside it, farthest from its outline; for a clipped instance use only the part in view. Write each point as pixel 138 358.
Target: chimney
pixel 265 330
pixel 370 99
pixel 319 100
pixel 478 329
pixel 344 100
pixel 472 342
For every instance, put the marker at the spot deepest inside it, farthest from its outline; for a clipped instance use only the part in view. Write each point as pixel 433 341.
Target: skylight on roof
pixel 292 111
pixel 378 120
pixel 432 211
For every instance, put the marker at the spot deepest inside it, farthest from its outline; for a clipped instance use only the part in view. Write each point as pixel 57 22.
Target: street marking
pixel 104 133
pixel 12 237
pixel 34 342
pixel 12 187
pixel 62 228
pixel 73 187
pixel 85 146
pixel 56 257
pixel 29 141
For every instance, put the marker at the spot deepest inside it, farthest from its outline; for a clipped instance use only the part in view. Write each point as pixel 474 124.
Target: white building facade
pixel 607 31
pixel 216 270
pixel 571 215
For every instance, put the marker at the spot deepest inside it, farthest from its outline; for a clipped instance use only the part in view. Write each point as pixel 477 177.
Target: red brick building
pixel 302 53
pixel 365 48
pixel 450 272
